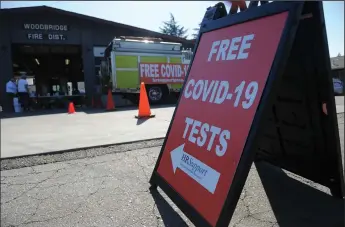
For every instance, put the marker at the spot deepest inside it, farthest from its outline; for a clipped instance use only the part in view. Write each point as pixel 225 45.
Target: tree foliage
pixel 172 28
pixel 196 32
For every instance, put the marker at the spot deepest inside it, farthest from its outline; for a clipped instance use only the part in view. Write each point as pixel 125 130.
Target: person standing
pixel 11 91
pixel 23 92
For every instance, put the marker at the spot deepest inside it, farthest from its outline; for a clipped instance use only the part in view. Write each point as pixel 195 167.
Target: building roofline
pixel 94 19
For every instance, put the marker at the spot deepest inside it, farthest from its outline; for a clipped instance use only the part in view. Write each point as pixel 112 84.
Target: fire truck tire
pixel 156 93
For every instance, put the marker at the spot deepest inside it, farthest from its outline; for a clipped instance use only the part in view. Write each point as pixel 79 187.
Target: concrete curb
pixel 77 154
pixel 81 148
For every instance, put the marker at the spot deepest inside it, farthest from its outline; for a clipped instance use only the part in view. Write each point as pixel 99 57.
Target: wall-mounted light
pixel 67 61
pixel 38 63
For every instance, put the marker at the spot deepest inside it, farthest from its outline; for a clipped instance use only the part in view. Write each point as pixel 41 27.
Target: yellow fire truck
pixel 128 61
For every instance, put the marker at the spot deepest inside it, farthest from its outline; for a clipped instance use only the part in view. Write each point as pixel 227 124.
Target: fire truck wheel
pixel 155 93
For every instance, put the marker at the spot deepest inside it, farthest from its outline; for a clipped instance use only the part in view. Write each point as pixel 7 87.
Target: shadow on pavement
pixel 122 108
pixel 297 204
pixel 5 115
pixel 86 110
pixel 169 102
pixel 103 110
pixel 169 216
pixel 141 120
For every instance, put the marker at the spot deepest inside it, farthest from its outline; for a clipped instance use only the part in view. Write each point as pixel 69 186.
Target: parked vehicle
pixel 338 86
pixel 128 61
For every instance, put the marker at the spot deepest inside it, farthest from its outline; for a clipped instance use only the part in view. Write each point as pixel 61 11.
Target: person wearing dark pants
pixel 23 92
pixel 11 91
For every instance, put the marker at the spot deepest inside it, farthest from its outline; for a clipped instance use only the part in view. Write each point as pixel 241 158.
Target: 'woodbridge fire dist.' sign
pixel 158 73
pixel 46 27
pixel 41 29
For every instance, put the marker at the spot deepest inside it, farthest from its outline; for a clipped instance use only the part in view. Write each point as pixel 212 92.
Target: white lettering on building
pixel 46 27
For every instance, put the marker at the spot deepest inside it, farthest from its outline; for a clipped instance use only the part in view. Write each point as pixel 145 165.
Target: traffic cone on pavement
pixel 71 109
pixel 110 101
pixel 144 106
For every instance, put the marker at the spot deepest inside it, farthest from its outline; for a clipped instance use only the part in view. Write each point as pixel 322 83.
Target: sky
pixel 151 14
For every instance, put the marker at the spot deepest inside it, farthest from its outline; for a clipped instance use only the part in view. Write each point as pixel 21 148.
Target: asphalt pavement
pixel 109 187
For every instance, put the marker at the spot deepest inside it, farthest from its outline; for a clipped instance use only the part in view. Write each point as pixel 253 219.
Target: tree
pixel 196 32
pixel 171 27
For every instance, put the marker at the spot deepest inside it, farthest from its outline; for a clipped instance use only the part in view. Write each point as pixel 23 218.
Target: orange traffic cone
pixel 110 101
pixel 144 106
pixel 71 109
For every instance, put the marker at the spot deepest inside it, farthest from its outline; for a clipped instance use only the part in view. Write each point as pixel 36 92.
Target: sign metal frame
pixel 294 10
pixel 315 156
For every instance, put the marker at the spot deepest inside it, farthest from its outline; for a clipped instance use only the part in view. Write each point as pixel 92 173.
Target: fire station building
pixel 49 44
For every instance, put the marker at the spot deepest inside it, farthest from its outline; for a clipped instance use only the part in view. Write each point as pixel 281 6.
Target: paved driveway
pixel 55 132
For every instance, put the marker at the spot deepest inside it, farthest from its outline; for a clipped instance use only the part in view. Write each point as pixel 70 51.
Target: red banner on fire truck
pixel 163 73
